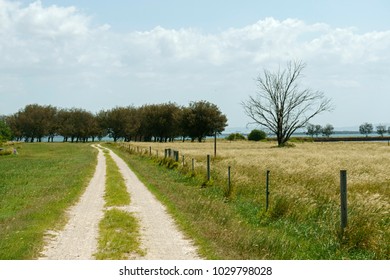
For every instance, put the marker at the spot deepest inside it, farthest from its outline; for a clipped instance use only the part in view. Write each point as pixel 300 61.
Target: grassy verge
pixel 36 186
pixel 303 219
pixel 116 193
pixel 119 236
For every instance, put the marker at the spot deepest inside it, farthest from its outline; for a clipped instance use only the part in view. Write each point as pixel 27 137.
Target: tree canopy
pixel 5 131
pixel 366 128
pixel 152 122
pixel 202 119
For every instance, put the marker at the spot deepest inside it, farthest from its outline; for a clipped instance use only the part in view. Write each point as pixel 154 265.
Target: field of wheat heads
pixel 304 185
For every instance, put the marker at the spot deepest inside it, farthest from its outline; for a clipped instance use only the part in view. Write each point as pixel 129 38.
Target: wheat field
pixel 304 184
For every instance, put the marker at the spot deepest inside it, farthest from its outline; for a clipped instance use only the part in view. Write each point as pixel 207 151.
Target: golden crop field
pixel 304 184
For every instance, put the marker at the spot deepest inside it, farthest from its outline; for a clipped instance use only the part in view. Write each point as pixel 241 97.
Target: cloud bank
pixel 57 55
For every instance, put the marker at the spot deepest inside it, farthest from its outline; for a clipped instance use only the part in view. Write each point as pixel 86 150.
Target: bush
pixel 235 136
pixel 5 152
pixel 257 135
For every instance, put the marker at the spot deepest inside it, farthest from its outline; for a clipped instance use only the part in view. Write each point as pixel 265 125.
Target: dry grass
pixel 304 187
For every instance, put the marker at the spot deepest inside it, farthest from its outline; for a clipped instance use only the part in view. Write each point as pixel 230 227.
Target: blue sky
pixel 215 15
pixel 101 54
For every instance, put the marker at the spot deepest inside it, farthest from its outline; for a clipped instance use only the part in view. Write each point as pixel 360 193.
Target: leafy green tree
pixel 366 128
pixel 313 130
pixel 257 135
pixel 77 125
pixel 52 124
pixel 65 124
pixel 5 131
pixel 235 136
pixel 327 130
pixel 15 126
pixel 121 122
pixel 116 120
pixel 133 123
pixel 34 122
pixel 381 129
pixel 203 119
pixel 160 122
pixel 84 124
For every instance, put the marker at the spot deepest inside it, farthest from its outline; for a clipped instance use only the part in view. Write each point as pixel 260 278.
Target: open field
pixel 303 217
pixel 36 186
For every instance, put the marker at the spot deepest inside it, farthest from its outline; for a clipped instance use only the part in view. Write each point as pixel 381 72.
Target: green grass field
pixel 303 221
pixel 36 186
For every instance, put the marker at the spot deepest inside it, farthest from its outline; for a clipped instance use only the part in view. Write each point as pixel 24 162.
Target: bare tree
pixel 281 106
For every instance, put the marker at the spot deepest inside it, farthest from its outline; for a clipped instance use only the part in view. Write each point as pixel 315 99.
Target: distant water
pixel 224 135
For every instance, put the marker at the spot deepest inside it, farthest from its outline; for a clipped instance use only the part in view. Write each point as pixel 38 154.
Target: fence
pixel 174 155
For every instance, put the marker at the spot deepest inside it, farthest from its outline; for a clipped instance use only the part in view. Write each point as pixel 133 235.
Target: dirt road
pixel 160 237
pixel 78 240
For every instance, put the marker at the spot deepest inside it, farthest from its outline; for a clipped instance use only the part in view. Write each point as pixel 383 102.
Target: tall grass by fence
pixel 322 206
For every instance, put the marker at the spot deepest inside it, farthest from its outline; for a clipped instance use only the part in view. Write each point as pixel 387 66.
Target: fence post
pixel 176 155
pixel 215 144
pixel 229 182
pixel 193 166
pixel 150 151
pixel 183 160
pixel 267 191
pixel 208 168
pixel 343 197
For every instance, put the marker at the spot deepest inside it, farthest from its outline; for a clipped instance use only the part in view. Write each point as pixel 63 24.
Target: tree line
pixel 152 122
pixel 368 128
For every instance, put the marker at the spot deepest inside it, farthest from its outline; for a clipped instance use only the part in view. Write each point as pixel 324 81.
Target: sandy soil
pixel 160 237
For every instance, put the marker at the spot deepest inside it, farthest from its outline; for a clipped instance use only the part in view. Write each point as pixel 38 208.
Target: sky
pixel 101 54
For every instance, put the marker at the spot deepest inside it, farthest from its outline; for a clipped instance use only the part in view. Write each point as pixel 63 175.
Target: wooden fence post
pixel 208 168
pixel 267 191
pixel 215 144
pixel 193 166
pixel 176 155
pixel 343 197
pixel 229 182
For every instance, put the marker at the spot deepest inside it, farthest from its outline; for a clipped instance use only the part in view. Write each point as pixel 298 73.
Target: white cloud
pixel 57 50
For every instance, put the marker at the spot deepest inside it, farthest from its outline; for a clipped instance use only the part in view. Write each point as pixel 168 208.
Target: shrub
pixel 5 152
pixel 235 136
pixel 257 135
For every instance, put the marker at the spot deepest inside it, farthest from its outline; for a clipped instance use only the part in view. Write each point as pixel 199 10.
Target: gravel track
pixel 160 237
pixel 78 240
pixel 159 234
